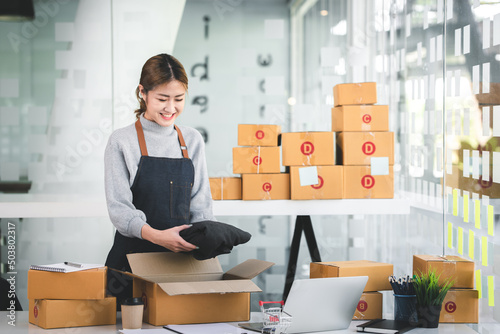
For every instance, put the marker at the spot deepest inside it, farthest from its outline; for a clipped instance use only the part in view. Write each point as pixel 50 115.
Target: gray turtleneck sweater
pixel 121 159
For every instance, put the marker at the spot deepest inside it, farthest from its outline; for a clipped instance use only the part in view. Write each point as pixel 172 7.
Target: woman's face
pixel 164 103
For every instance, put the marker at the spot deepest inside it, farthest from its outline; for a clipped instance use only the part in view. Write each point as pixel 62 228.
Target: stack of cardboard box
pixel 365 147
pixel 370 303
pixel 461 302
pixel 258 160
pixel 311 159
pixel 58 300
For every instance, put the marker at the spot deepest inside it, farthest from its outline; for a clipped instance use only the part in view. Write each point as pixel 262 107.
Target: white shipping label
pixel 308 176
pixel 379 166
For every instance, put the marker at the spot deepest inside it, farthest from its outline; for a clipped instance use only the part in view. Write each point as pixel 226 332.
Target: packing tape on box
pixel 258 160
pixel 221 188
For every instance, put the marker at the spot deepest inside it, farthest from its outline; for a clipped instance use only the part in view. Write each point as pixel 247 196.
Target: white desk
pixel 23 326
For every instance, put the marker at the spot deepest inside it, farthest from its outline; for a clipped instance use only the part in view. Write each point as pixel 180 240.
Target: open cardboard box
pixel 178 289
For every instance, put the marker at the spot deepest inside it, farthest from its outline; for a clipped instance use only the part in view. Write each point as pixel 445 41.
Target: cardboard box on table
pixel 458 269
pixel 308 148
pixel 460 306
pixel 266 186
pixel 225 188
pixel 360 118
pixel 177 289
pixel 358 148
pixel 330 184
pixel 369 306
pixel 377 272
pixel 85 284
pixel 61 313
pixel 258 134
pixel 360 183
pixel 355 93
pixel 256 160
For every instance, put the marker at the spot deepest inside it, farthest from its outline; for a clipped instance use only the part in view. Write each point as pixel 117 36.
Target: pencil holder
pixel 405 308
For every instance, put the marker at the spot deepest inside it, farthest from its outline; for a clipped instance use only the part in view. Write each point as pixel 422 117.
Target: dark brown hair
pixel 158 70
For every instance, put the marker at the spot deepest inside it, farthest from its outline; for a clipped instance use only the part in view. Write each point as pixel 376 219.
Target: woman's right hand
pixel 168 238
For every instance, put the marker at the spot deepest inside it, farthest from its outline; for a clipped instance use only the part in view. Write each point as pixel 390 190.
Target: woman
pixel 156 176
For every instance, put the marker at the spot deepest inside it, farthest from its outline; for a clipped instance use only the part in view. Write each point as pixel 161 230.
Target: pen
pixel 73 264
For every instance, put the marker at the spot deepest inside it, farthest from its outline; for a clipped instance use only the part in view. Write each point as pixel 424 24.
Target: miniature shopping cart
pixel 275 320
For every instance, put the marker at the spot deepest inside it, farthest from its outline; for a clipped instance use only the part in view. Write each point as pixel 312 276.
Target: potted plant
pixel 430 295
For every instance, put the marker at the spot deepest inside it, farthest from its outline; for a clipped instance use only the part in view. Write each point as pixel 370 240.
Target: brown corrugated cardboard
pixel 177 289
pixel 358 148
pixel 256 160
pixel 225 188
pixel 360 183
pixel 355 93
pixel 266 186
pixel 369 306
pixel 360 118
pixel 54 313
pixel 85 284
pixel 330 184
pixel 460 306
pixel 377 272
pixel 258 134
pixel 308 148
pixel 460 270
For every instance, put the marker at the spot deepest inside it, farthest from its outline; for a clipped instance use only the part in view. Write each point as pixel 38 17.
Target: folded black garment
pixel 213 238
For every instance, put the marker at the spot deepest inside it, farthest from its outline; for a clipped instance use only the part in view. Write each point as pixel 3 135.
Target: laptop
pixel 320 304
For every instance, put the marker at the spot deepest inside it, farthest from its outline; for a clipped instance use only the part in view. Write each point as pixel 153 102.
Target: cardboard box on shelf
pixel 258 134
pixel 360 183
pixel 369 306
pixel 460 306
pixel 225 188
pixel 256 160
pixel 178 289
pixel 308 148
pixel 62 313
pixel 358 148
pixel 330 185
pixel 377 272
pixel 85 284
pixel 266 186
pixel 456 268
pixel 355 93
pixel 360 118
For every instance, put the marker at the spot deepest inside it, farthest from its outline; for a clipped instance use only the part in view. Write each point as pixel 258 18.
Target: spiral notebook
pixel 65 268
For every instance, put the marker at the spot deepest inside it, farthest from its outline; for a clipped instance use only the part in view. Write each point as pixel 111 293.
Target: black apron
pixel 162 190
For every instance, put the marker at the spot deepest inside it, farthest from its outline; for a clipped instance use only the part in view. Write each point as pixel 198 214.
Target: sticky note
pixel 379 166
pixel 466 162
pixel 450 235
pixel 426 17
pixel 455 202
pixel 475 164
pixel 479 283
pixel 496 121
pixel 486 121
pixel 440 11
pixel 308 176
pixel 477 213
pixel 449 10
pixel 460 238
pixel 496 167
pixel 491 220
pixel 484 251
pixel 466 208
pixel 475 79
pixel 486 78
pixel 486 166
pixel 496 29
pixel 467 39
pixel 491 290
pixel 471 244
pixel 408 25
pixel 486 33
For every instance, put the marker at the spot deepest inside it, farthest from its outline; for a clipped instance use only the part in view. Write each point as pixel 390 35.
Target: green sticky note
pixel 460 241
pixel 471 244
pixel 478 284
pixel 491 291
pixel 477 213
pixel 491 213
pixel 466 208
pixel 450 235
pixel 455 202
pixel 484 251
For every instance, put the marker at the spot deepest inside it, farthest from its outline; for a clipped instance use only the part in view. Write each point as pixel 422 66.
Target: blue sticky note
pixel 379 166
pixel 308 176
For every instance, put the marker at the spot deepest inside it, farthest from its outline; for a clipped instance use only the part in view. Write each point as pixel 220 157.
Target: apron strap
pixel 142 141
pixel 140 136
pixel 183 144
